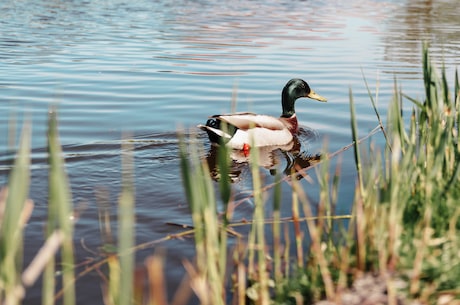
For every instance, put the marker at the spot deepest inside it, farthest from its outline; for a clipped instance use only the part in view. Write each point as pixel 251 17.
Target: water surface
pixel 141 70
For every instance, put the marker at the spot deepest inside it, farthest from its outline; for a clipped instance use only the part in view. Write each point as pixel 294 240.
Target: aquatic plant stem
pixel 12 223
pixel 126 220
pixel 61 199
pixel 374 106
pixel 354 132
pixel 315 248
pixel 257 235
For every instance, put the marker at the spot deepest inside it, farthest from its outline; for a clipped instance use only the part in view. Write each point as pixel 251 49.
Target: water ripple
pixel 147 67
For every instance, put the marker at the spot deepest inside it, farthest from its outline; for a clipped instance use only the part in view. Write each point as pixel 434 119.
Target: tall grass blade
pixel 61 211
pixel 374 105
pixel 277 247
pixel 126 222
pixel 457 105
pixel 354 133
pixel 208 278
pixel 45 255
pixel 259 228
pixel 224 181
pixel 12 224
pixel 317 254
pixel 225 192
pixel 297 231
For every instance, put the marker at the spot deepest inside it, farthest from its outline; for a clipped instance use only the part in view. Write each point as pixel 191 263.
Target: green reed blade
pixel 210 238
pixel 259 226
pixel 354 133
pixel 445 86
pixel 413 100
pixel 126 222
pixel 18 191
pixel 277 247
pixel 457 105
pixel 186 170
pixel 224 181
pixel 192 183
pixel 11 228
pixel 60 199
pixel 377 113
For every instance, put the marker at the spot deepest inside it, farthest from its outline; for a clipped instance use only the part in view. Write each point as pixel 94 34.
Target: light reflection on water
pixel 150 67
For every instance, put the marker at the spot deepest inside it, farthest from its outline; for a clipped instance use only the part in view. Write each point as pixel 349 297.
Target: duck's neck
pixel 291 123
pixel 287 102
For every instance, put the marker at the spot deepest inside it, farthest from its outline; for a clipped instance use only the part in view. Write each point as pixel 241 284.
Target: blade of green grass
pixel 11 227
pixel 374 105
pixel 277 247
pixel 126 222
pixel 259 227
pixel 61 211
pixel 354 133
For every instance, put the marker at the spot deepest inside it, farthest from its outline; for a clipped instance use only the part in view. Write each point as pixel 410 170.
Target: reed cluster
pixel 15 210
pixel 401 244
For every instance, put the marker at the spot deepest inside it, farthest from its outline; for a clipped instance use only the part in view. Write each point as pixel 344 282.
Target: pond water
pixel 143 69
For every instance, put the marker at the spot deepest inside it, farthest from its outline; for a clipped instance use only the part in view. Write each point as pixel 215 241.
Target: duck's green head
pixel 294 89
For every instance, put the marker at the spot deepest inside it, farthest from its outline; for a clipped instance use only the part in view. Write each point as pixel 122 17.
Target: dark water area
pixel 139 71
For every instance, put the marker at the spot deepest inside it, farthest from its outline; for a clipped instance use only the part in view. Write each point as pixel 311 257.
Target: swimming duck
pixel 242 130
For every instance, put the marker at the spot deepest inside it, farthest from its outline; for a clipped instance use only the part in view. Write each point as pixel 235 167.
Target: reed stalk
pixel 126 233
pixel 208 277
pixel 259 229
pixel 60 209
pixel 12 220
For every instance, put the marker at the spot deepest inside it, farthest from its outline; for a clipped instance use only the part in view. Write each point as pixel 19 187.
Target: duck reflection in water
pixel 289 158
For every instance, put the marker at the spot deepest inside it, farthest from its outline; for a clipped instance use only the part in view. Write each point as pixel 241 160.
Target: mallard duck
pixel 242 130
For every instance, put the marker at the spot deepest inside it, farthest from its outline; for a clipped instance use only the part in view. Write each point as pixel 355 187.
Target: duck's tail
pixel 216 132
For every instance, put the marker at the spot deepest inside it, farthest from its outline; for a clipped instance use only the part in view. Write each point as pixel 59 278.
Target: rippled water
pixel 146 68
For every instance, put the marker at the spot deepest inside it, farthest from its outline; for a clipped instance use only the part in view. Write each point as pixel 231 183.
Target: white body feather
pixel 259 137
pixel 253 130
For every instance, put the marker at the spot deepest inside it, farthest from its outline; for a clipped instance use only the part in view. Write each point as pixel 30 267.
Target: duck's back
pixel 246 121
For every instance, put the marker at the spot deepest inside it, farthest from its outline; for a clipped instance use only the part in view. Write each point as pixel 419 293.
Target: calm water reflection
pixel 147 67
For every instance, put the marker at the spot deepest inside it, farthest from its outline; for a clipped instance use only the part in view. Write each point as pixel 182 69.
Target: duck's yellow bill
pixel 316 96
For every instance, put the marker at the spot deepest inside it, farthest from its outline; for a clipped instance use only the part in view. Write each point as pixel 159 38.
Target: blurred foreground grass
pixel 402 243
